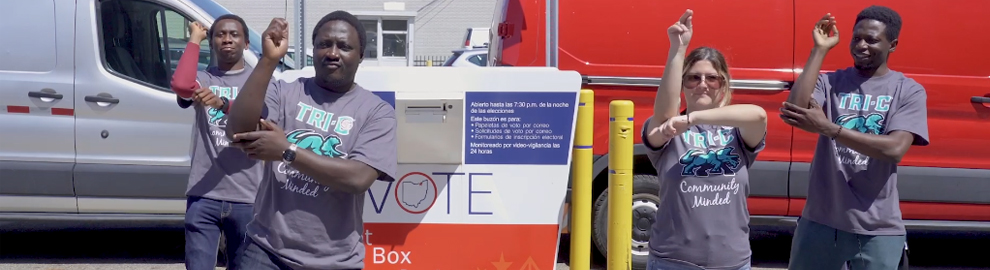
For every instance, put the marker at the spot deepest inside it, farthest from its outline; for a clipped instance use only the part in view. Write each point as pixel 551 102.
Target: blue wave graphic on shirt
pixel 871 124
pixel 309 139
pixel 701 163
pixel 215 115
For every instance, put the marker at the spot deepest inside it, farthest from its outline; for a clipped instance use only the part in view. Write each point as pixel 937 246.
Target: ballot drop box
pixel 484 158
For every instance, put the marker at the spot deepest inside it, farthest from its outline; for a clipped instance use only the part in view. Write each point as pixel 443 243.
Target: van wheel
pixel 646 199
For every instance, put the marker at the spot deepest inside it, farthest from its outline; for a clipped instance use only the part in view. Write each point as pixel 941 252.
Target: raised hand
pixel 197 32
pixel 826 34
pixel 680 32
pixel 275 43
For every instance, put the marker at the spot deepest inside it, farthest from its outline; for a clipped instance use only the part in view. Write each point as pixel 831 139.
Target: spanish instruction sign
pixel 518 127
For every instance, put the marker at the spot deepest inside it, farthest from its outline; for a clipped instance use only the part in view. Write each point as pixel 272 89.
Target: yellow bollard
pixel 620 166
pixel 429 63
pixel 581 186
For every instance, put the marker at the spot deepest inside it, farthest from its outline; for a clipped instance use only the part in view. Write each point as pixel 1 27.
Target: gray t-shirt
pixel 217 171
pixel 848 190
pixel 309 225
pixel 703 218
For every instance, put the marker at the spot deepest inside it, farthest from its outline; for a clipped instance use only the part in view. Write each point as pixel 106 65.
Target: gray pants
pixel 819 247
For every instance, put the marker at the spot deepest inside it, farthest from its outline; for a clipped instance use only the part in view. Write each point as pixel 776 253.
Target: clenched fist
pixel 826 34
pixel 680 32
pixel 207 98
pixel 275 41
pixel 197 32
pixel 675 126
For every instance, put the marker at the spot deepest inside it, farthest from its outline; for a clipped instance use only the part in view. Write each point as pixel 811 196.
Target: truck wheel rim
pixel 644 212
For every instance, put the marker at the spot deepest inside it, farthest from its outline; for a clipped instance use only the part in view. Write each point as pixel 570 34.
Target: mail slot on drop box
pixel 430 130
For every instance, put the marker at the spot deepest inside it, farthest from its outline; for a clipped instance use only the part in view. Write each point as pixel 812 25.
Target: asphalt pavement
pixel 162 249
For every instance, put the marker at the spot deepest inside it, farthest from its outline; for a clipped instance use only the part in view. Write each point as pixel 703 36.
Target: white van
pixel 90 127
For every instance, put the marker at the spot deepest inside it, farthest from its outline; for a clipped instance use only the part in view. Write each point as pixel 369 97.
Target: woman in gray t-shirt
pixel 702 156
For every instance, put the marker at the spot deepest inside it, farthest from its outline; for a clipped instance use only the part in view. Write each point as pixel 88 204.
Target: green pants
pixel 820 247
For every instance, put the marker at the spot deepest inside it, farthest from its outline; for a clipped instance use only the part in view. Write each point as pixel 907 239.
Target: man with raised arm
pixel 866 117
pixel 325 139
pixel 223 181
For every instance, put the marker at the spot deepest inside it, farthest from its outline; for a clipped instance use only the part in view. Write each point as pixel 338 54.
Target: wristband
pixel 836 133
pixel 225 106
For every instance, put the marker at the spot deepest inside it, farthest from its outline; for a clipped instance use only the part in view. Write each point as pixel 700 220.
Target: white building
pixel 399 31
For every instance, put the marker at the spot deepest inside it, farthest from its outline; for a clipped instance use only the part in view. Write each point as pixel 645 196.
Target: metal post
pixel 581 187
pixel 620 165
pixel 300 56
pixel 551 14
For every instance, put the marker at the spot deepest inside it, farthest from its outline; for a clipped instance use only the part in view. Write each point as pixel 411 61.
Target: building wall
pixel 439 25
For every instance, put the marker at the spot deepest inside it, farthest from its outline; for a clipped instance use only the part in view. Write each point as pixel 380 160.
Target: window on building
pixel 143 41
pixel 391 34
pixel 371 30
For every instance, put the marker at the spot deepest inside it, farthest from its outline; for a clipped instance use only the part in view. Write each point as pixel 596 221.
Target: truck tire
pixel 646 191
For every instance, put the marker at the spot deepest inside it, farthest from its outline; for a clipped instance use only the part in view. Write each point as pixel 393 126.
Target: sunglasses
pixel 692 81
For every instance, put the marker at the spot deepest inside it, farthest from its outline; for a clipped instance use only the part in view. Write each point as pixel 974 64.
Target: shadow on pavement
pixel 929 250
pixel 116 246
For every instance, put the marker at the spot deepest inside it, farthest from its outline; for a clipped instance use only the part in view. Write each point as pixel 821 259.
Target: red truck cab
pixel 620 49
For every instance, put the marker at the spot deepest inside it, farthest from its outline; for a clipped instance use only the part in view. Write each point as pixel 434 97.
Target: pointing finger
pixel 206 95
pixel 213 101
pixel 789 113
pixel 248 136
pixel 791 107
pixel 788 120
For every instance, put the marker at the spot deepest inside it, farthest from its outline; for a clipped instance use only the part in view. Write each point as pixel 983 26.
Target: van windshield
pixel 216 10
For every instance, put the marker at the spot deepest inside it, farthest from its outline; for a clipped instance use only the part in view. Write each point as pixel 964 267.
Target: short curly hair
pixel 347 17
pixel 244 27
pixel 890 19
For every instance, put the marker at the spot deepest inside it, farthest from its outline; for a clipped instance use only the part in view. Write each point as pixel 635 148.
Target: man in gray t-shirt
pixel 220 172
pixel 325 139
pixel 867 116
pixel 223 181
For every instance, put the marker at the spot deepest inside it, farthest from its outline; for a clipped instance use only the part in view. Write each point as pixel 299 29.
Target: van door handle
pixel 102 98
pixel 979 99
pixel 40 94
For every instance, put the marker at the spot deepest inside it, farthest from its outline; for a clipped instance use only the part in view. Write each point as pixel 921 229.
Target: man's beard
pixel 339 85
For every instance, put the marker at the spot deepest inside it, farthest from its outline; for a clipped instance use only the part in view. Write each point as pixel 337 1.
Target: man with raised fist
pixel 326 140
pixel 223 181
pixel 866 117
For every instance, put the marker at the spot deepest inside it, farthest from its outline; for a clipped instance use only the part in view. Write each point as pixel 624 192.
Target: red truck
pixel 620 48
